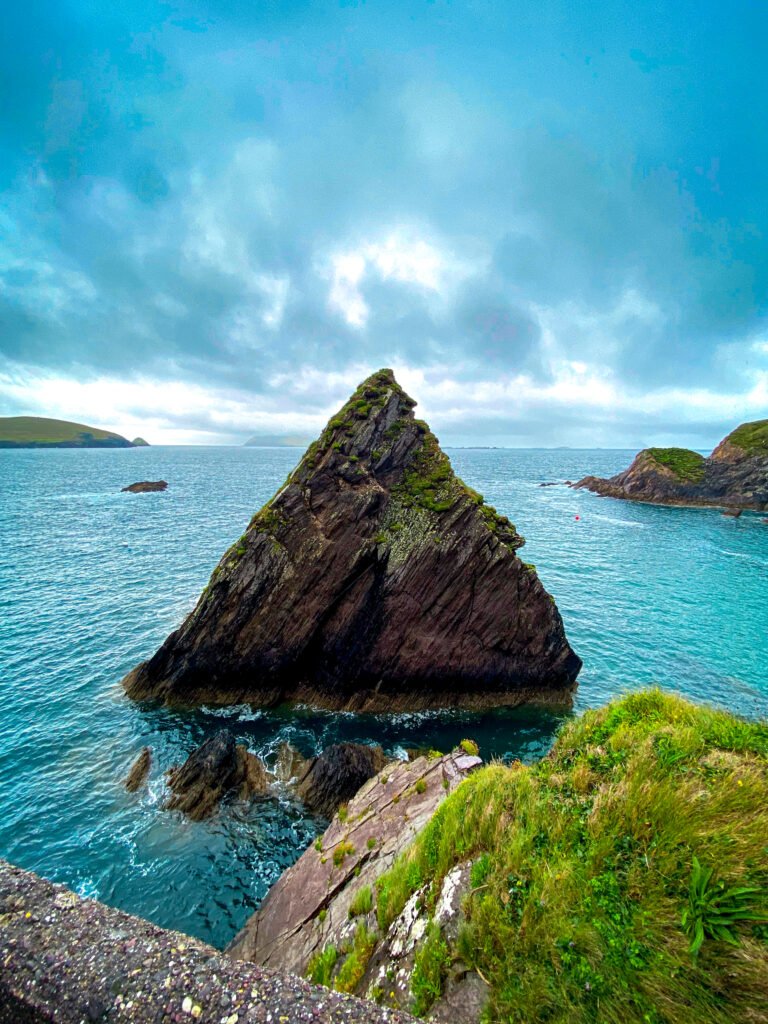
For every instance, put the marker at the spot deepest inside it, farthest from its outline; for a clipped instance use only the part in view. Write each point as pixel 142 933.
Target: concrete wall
pixel 73 961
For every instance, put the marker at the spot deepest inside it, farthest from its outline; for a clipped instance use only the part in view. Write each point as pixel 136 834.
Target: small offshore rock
pixel 218 766
pixel 139 772
pixel 337 774
pixel 146 485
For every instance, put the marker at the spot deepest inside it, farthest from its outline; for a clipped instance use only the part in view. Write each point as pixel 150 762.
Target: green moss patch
pixel 623 878
pixel 685 464
pixel 752 437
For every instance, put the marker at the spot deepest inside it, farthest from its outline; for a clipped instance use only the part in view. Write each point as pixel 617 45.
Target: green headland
pixel 41 432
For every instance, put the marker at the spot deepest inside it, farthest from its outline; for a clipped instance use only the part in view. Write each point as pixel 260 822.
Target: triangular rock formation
pixel 373 580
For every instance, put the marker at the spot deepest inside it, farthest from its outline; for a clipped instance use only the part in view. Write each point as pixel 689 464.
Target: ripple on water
pixel 91 581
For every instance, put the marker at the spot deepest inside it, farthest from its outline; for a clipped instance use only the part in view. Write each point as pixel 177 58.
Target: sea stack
pixel 734 476
pixel 373 580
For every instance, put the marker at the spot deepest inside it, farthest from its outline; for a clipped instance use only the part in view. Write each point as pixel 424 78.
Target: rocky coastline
pixel 374 580
pixel 734 476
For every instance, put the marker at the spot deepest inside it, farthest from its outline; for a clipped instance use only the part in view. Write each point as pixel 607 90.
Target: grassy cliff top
pixel 752 437
pixel 685 464
pixel 32 430
pixel 622 879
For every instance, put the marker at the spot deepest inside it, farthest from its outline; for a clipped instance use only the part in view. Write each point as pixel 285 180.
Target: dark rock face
pixel 337 774
pixel 146 485
pixel 214 769
pixel 137 776
pixel 734 476
pixel 373 580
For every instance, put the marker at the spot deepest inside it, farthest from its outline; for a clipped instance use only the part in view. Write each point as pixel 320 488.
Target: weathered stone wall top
pixel 67 960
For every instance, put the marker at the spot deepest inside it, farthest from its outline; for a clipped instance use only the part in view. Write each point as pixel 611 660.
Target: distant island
pixel 41 432
pixel 277 441
pixel 735 475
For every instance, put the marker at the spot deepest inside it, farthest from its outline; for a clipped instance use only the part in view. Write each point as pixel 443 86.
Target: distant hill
pixel 276 441
pixel 139 442
pixel 40 432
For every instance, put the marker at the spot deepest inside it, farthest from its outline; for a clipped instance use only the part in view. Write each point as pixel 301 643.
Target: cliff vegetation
pixel 751 437
pixel 624 878
pixel 685 464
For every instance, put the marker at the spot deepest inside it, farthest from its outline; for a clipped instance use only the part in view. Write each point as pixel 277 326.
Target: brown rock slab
pixel 308 907
pixel 217 767
pixel 373 580
pixel 139 772
pixel 337 774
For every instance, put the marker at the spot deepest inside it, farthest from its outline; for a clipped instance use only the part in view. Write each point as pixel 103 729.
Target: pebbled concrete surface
pixel 65 960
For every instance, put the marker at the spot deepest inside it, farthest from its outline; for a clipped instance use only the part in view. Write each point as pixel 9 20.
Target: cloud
pixel 228 198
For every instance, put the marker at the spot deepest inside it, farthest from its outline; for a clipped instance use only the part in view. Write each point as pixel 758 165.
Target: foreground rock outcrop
pixel 216 768
pixel 68 960
pixel 734 476
pixel 325 895
pixel 374 579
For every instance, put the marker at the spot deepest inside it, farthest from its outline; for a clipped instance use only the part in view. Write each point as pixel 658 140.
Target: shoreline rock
pixel 374 580
pixel 309 905
pixel 734 477
pixel 139 772
pixel 216 768
pixel 337 774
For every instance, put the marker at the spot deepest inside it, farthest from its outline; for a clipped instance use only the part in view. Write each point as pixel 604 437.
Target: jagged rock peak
pixel 374 579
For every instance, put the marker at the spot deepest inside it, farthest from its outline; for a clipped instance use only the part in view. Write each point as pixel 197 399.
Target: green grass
pixel 685 464
pixel 38 431
pixel 320 967
pixel 752 437
pixel 362 902
pixel 585 895
pixel 344 849
pixel 429 970
pixel 352 970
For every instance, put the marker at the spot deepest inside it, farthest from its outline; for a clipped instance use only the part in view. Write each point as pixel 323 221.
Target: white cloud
pixel 399 256
pixel 179 412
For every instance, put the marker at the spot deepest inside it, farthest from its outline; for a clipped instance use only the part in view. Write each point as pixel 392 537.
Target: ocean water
pixel 92 580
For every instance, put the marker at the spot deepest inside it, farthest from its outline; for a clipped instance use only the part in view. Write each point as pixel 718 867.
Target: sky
pixel 218 216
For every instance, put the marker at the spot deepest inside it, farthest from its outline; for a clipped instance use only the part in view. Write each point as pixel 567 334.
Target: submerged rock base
pixel 66 960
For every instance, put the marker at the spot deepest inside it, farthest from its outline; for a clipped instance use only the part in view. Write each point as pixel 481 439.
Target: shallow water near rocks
pixel 92 580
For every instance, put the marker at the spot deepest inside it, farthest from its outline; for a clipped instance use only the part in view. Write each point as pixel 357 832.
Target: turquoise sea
pixel 92 580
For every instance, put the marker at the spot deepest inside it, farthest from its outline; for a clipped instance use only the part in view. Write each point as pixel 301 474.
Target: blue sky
pixel 550 218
